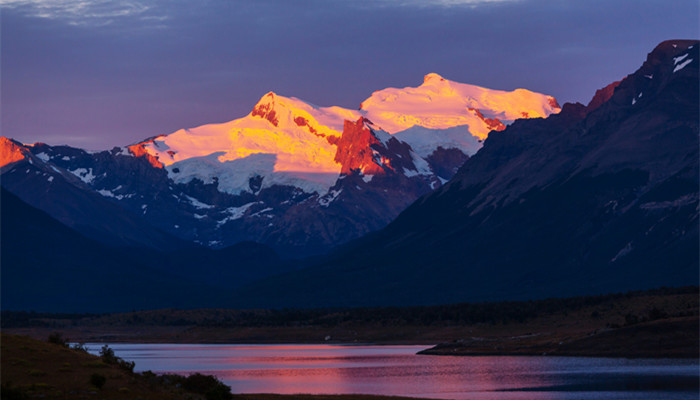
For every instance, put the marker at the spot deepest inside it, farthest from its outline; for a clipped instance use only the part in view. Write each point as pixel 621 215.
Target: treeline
pixel 438 315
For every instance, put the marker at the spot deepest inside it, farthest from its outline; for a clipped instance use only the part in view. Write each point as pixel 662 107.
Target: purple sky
pixel 98 73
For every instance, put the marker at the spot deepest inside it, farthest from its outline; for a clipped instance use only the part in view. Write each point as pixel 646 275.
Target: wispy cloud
pixel 441 3
pixel 83 12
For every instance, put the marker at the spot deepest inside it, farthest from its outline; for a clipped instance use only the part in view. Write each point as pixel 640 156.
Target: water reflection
pixel 396 370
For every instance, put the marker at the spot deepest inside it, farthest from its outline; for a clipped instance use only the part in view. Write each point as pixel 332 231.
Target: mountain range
pixel 578 200
pixel 595 199
pixel 291 175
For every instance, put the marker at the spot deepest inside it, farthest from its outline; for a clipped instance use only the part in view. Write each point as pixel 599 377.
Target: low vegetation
pixel 550 321
pixel 51 369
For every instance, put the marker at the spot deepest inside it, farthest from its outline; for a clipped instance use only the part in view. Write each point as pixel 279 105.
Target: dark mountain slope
pixel 68 198
pixel 596 199
pixel 47 266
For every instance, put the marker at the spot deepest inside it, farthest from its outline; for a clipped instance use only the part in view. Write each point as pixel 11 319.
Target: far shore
pixel 662 323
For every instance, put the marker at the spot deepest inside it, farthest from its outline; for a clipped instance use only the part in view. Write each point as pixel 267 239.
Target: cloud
pixel 441 3
pixel 83 12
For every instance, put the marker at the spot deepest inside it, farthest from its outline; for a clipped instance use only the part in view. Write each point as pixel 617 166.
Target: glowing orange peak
pixel 11 151
pixel 433 77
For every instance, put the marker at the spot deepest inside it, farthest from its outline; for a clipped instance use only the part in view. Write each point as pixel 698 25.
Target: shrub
pixel 80 347
pixel 208 385
pixel 107 355
pixel 98 380
pixel 10 392
pixel 57 338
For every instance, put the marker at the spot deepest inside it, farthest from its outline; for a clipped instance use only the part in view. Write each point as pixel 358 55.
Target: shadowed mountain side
pixel 48 266
pixel 591 200
pixel 67 198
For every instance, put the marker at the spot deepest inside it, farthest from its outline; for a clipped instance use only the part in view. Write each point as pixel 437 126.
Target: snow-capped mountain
pixel 287 141
pixel 595 199
pixel 296 176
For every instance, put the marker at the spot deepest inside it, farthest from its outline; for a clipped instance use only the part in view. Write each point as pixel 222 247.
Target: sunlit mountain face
pixel 293 175
pixel 596 199
pixel 288 141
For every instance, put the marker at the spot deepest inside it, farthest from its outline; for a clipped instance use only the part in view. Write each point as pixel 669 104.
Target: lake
pixel 397 370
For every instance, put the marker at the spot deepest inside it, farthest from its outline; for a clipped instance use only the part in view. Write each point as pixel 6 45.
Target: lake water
pixel 397 370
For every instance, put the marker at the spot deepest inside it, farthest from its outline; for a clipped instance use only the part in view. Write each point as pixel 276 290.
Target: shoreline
pixel 659 323
pixel 674 338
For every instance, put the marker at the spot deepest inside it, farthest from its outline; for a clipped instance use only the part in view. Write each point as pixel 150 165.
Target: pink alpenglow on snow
pixel 289 141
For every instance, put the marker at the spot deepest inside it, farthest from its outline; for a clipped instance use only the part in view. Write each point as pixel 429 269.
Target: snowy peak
pixel 289 113
pixel 440 103
pixel 290 142
pixel 139 150
pixel 266 109
pixel 671 63
pixel 433 77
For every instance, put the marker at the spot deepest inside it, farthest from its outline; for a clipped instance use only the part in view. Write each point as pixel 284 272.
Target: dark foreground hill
pixel 596 199
pixel 48 266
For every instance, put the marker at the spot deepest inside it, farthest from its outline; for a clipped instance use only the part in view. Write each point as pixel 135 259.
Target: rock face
pixel 11 152
pixel 598 198
pixel 291 175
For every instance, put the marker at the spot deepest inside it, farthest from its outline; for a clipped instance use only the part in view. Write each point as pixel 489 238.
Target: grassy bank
pixel 36 369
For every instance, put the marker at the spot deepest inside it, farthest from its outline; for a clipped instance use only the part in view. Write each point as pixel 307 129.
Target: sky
pixel 97 73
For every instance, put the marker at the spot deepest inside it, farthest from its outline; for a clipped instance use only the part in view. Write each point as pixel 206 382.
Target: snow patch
pixel 197 203
pixel 625 251
pixel 43 157
pixel 83 174
pixel 678 59
pixel 235 213
pixel 367 178
pixel 233 176
pixel 50 179
pixel 65 158
pixel 682 65
pixel 331 196
pixel 109 193
pixel 425 141
pixel 264 210
pixel 422 167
